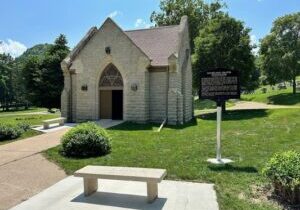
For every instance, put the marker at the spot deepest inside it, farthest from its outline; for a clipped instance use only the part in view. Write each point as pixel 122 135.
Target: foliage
pixel 43 76
pixel 198 13
pixel 12 131
pixel 38 50
pixel 280 50
pixel 225 42
pixel 275 97
pixel 86 140
pixel 23 122
pixel 249 137
pixel 9 80
pixel 283 170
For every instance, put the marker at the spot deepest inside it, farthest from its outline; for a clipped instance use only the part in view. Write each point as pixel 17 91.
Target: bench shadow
pixel 231 168
pixel 120 200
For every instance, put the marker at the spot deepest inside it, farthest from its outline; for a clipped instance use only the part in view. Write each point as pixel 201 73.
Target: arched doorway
pixel 111 94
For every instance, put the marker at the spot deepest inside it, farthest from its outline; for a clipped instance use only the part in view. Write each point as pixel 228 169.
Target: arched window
pixel 111 77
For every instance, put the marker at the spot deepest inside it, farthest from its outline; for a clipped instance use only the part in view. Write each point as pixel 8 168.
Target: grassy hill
pixel 276 97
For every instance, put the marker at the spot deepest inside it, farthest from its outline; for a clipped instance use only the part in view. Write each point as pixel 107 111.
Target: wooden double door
pixel 111 104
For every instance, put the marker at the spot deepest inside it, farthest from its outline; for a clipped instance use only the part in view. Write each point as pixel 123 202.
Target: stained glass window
pixel 111 77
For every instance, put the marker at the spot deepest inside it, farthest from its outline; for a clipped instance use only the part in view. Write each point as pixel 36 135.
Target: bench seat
pixel 91 174
pixel 60 120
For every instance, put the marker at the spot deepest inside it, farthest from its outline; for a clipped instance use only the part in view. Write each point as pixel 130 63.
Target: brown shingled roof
pixel 158 43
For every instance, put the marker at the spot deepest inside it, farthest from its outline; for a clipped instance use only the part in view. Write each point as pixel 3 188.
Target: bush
pixel 284 172
pixel 86 140
pixel 10 131
pixel 24 126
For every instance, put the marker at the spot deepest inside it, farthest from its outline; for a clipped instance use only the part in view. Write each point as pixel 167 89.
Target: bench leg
pixel 46 126
pixel 152 191
pixel 61 123
pixel 90 186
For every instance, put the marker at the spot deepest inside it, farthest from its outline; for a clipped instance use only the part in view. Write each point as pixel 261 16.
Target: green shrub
pixel 283 170
pixel 10 131
pixel 86 140
pixel 24 126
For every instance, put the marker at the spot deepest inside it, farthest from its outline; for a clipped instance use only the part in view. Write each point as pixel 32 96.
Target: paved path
pixel 24 172
pixel 247 105
pixel 122 195
pixel 242 105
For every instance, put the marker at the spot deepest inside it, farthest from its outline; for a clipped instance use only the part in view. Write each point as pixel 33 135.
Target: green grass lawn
pixel 21 111
pixel 30 119
pixel 276 97
pixel 250 138
pixel 33 120
pixel 209 104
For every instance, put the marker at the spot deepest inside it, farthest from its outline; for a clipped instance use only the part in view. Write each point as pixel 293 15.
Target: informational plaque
pixel 220 85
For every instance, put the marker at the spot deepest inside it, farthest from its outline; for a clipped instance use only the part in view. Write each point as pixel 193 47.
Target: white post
pixel 219 119
pixel 218 159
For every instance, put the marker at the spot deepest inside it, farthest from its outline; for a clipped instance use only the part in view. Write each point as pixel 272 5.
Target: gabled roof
pixel 158 43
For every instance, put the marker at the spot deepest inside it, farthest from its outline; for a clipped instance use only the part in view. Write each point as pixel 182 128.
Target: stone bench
pixel 60 120
pixel 91 174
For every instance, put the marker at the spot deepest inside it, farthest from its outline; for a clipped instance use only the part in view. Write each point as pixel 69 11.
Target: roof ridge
pixel 154 28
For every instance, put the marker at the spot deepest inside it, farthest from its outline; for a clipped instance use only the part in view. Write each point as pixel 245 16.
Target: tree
pixel 32 79
pixel 280 50
pixel 197 11
pixel 44 77
pixel 225 43
pixel 7 77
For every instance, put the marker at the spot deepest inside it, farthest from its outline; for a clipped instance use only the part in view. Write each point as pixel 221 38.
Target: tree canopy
pixel 225 42
pixel 44 77
pixel 198 11
pixel 280 50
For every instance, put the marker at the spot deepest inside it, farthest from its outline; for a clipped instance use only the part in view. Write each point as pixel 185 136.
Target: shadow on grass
pixel 231 168
pixel 130 126
pixel 236 115
pixel 284 99
pixel 204 104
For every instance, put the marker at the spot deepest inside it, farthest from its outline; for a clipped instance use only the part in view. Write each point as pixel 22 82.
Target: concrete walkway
pixel 112 194
pixel 245 105
pixel 24 171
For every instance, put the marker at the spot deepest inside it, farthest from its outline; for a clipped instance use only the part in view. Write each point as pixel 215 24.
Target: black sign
pixel 220 85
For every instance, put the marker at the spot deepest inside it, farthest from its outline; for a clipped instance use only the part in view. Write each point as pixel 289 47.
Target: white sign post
pixel 219 85
pixel 218 159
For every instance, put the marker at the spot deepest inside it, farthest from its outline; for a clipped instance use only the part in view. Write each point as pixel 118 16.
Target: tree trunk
pixel 294 85
pixel 224 106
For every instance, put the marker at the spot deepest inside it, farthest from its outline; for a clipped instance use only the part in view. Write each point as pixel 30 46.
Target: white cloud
pixel 114 14
pixel 14 48
pixel 140 23
pixel 254 42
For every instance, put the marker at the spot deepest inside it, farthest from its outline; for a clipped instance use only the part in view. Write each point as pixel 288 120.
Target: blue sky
pixel 25 23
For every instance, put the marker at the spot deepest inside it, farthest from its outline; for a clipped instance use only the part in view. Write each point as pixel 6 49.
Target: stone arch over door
pixel 111 94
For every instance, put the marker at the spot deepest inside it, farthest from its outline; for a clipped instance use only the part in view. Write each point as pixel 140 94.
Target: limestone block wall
pixel 128 59
pixel 158 95
pixel 65 96
pixel 184 62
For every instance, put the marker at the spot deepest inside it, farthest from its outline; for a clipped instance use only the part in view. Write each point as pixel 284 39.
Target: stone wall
pixel 92 60
pixel 158 95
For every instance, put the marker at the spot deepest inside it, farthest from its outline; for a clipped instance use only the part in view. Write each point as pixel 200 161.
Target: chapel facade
pixel 138 75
